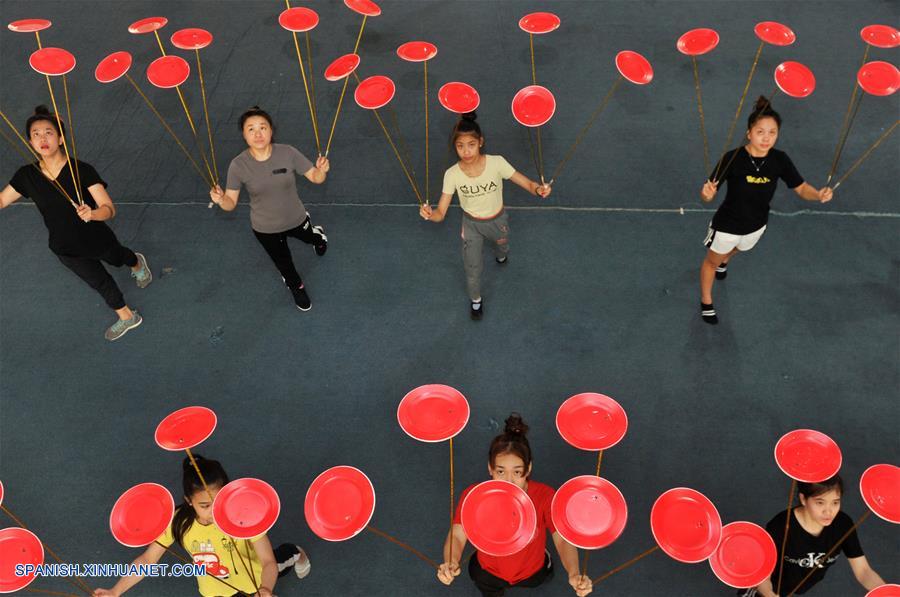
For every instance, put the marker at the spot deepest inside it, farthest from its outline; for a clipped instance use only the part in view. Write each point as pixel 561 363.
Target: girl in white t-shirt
pixel 478 180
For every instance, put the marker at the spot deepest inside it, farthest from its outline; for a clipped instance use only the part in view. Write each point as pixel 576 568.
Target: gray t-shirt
pixel 274 203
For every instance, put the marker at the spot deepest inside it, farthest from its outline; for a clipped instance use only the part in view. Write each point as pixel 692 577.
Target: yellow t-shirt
pixel 480 196
pixel 210 546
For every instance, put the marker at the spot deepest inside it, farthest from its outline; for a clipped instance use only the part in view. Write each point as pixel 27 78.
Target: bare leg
pixel 708 273
pixel 125 313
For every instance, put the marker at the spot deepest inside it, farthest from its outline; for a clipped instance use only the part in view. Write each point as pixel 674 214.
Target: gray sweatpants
pixel 474 233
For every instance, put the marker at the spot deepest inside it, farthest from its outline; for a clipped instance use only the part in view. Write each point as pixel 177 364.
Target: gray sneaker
pixel 121 327
pixel 143 276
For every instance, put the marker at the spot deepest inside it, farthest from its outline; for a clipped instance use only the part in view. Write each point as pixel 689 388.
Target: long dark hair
pixel 512 441
pixel 811 490
pixel 213 474
pixel 762 109
pixel 42 112
pixel 466 125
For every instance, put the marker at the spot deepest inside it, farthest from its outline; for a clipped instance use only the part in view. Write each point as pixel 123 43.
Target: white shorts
pixel 723 243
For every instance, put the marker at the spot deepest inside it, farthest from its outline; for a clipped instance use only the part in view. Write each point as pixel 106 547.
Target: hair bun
pixel 515 425
pixel 42 110
pixel 187 465
pixel 762 102
pixel 471 116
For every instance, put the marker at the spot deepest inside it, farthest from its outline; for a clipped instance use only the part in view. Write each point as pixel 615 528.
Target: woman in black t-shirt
pixel 78 236
pixel 752 172
pixel 817 525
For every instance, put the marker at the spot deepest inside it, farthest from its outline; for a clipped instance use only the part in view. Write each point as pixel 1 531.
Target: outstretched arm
pixel 809 193
pixel 867 577
pixel 541 190
pixel 568 555
pixel 318 173
pixel 437 214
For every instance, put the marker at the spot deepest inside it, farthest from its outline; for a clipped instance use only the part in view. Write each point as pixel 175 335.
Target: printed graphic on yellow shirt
pixel 757 179
pixel 203 553
pixel 477 190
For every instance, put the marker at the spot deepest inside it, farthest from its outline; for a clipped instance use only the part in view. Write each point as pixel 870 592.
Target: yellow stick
pixel 400 159
pixel 427 179
pixel 312 85
pixel 451 500
pixel 862 158
pixel 533 69
pixel 38 36
pixel 336 114
pixel 65 146
pixel 359 37
pixel 737 112
pixel 700 108
pixel 159 41
pixel 196 139
pixel 312 112
pixel 212 148
pixel 71 132
pixel 845 129
pixel 599 460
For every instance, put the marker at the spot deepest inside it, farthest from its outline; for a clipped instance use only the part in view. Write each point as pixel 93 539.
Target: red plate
pixel 18 546
pixel 808 456
pixel 298 19
pixel 433 413
pixel 686 525
pixel 28 25
pixel 591 421
pixel 185 428
pixel 533 106
pixel 459 97
pixel 499 518
pixel 374 92
pixel 795 79
pixel 148 25
pixel 1 493
pixel 191 39
pixel 363 7
pixel 246 508
pixel 589 512
pixel 339 503
pixel 880 489
pixel 881 36
pixel 168 71
pixel 634 67
pixel 112 67
pixel 879 78
pixel 885 591
pixel 746 556
pixel 774 33
pixel 539 22
pixel 342 67
pixel 697 42
pixel 52 61
pixel 141 515
pixel 417 51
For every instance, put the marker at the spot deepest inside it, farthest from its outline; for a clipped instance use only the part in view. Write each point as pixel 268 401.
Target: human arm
pixel 318 173
pixel 765 589
pixel 263 549
pixel 449 569
pixel 151 555
pixel 541 190
pixel 708 191
pixel 8 195
pixel 105 209
pixel 808 192
pixel 863 572
pixel 438 214
pixel 227 200
pixel 568 555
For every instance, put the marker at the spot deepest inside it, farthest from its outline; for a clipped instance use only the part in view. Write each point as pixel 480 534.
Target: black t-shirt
pixel 804 551
pixel 746 205
pixel 69 235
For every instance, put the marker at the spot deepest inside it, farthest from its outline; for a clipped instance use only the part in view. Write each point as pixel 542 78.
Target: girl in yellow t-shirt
pixel 478 180
pixel 193 528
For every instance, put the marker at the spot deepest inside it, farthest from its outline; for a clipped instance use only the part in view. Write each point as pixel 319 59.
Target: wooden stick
pixel 787 526
pixel 862 158
pixel 191 561
pixel 71 132
pixel 450 559
pixel 735 154
pixel 830 551
pixel 625 565
pixel 212 147
pixel 412 550
pixel 599 460
pixel 700 108
pixel 427 178
pixel 65 145
pixel 845 128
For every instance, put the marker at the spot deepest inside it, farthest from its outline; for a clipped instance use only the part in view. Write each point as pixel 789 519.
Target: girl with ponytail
pixel 752 172
pixel 78 233
pixel 193 529
pixel 509 459
pixel 478 180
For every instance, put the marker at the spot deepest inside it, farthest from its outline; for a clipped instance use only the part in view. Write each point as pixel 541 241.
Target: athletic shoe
pixel 722 272
pixel 301 299
pixel 121 327
pixel 476 310
pixel 323 246
pixel 299 561
pixel 502 260
pixel 143 276
pixel 302 566
pixel 708 313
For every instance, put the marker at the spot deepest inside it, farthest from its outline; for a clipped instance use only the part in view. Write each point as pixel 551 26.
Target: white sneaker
pixel 302 566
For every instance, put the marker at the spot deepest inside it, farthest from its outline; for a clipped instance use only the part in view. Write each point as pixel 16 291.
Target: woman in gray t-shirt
pixel 268 171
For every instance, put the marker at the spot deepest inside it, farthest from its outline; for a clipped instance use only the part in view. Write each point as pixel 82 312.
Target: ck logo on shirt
pixel 812 560
pixel 757 179
pixel 478 189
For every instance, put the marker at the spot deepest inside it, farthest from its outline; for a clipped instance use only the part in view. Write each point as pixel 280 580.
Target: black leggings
pixel 276 246
pixel 96 276
pixel 492 586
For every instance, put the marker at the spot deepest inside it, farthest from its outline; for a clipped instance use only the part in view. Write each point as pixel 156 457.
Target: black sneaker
pixel 323 246
pixel 476 310
pixel 708 313
pixel 301 299
pixel 502 260
pixel 722 272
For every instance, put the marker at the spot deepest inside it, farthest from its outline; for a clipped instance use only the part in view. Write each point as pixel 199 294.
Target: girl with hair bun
pixel 752 172
pixel 193 529
pixel 509 459
pixel 78 234
pixel 478 180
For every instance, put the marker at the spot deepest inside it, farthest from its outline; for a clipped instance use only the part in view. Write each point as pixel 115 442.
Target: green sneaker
pixel 121 327
pixel 143 276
